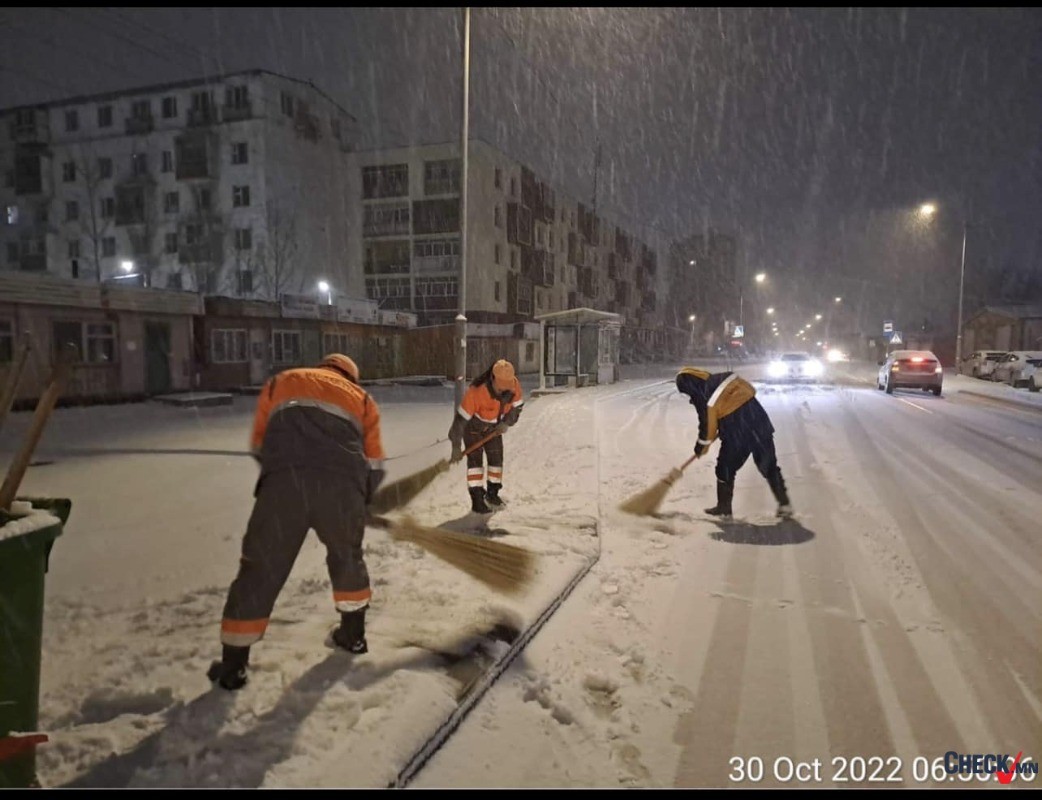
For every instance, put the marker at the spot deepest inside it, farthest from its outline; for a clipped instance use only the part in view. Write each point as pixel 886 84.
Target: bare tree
pixel 276 256
pixel 97 224
pixel 203 248
pixel 144 230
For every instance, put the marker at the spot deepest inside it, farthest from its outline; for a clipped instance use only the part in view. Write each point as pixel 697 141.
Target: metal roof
pixel 579 316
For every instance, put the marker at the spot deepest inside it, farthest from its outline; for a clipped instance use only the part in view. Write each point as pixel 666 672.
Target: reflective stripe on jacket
pixel 479 402
pixel 316 418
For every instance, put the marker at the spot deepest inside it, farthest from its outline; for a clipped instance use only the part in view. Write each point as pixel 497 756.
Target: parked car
pixel 981 363
pixel 794 366
pixel 910 369
pixel 1009 367
pixel 1032 374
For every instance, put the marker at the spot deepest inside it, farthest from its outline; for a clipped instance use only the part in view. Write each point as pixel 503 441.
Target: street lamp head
pixel 126 266
pixel 927 210
pixel 761 277
pixel 839 299
pixel 770 310
pixel 817 316
pixel 323 286
pixel 691 262
pixel 691 318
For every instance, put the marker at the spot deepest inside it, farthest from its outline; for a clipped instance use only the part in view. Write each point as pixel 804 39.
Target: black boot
pixel 477 501
pixel 230 671
pixel 492 497
pixel 351 633
pixel 724 494
pixel 777 484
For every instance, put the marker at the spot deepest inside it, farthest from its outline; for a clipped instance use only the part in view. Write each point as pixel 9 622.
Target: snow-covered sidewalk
pixel 964 384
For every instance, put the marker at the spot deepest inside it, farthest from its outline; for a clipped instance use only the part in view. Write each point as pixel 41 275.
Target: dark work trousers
pixel 735 449
pixel 475 431
pixel 289 503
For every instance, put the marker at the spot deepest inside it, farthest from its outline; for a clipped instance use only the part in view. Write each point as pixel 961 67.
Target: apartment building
pixel 233 185
pixel 531 248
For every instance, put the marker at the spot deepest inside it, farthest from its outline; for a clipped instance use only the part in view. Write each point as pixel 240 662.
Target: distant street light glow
pixel 761 277
pixel 927 210
pixel 839 299
pixel 770 310
pixel 126 266
pixel 817 316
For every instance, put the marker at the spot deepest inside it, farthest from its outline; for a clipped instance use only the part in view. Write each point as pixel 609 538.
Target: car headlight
pixel 836 354
pixel 813 368
pixel 776 369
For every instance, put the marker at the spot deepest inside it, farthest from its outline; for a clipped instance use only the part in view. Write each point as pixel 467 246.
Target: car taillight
pixel 938 369
pixel 895 368
pixel 917 360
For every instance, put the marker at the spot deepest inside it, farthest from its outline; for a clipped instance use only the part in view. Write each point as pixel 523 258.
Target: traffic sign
pixel 739 331
pixel 888 327
pixel 895 338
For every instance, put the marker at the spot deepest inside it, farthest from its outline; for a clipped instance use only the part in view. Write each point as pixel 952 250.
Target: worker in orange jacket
pixel 316 434
pixel 492 404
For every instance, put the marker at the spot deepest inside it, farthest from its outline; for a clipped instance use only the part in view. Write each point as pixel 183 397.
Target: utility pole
pixel 962 277
pixel 461 318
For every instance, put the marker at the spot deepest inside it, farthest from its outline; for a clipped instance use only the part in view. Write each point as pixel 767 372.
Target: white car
pixel 910 369
pixel 1009 367
pixel 981 363
pixel 795 366
pixel 1032 374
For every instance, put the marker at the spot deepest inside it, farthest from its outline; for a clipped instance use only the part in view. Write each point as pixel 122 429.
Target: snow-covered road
pixel 897 617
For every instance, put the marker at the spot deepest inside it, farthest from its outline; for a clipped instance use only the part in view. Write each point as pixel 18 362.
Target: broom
pixel 647 502
pixel 503 567
pixel 397 494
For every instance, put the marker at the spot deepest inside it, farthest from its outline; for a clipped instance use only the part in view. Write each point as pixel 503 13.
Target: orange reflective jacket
pixel 314 417
pixel 479 402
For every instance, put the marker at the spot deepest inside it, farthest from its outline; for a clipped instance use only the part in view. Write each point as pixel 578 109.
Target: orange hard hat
pixel 503 375
pixel 341 363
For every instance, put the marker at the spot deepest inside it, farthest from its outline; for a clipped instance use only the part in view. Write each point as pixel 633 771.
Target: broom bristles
pixel 647 502
pixel 503 567
pixel 397 494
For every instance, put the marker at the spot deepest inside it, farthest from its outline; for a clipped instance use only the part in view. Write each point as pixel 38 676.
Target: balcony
pixel 613 266
pixel 435 264
pixel 26 133
pixel 135 126
pixel 237 112
pixel 519 224
pixel 36 262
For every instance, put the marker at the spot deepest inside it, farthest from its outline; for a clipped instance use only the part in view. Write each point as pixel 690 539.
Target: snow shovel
pixel 647 502
pixel 503 567
pixel 397 494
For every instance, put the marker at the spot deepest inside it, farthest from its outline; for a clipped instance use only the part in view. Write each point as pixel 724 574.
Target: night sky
pixel 811 135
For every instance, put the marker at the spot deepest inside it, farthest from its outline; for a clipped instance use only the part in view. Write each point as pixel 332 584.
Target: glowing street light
pixel 126 266
pixel 691 262
pixel 927 210
pixel 692 318
pixel 817 316
pixel 770 310
pixel 839 299
pixel 323 286
pixel 761 277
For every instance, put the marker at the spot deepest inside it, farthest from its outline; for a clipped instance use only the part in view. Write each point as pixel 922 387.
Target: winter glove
pixel 456 437
pixel 511 418
pixel 372 483
pixel 502 428
pixel 701 449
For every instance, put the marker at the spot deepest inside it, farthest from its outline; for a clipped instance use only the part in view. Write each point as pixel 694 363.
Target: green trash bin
pixel 25 545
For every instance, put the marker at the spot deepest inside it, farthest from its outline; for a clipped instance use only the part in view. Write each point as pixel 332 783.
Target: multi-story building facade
pixel 234 185
pixel 531 248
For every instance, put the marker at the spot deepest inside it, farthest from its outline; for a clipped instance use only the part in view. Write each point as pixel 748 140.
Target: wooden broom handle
pixel 44 407
pixel 688 463
pixel 476 445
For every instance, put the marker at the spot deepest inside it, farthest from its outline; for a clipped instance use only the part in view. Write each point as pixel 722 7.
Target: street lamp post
pixel 962 276
pixel 461 318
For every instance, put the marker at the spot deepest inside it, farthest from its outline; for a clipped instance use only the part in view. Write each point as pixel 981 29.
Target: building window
pixel 170 243
pixel 441 177
pixel 139 164
pixel 513 187
pixel 228 346
pixel 104 116
pixel 175 281
pixel 240 154
pixel 513 259
pixel 108 207
pixel 169 107
pixel 69 171
pixel 168 161
pixel 240 196
pixel 141 109
pixel 172 203
pixel 204 198
pixel 72 120
pixel 237 97
pixel 496 250
pixel 287 104
pixel 550 239
pixel 6 341
pixel 497 291
pixel 74 268
pixel 529 351
pixel 9 179
pixel 245 281
pixel 243 239
pixel 13 254
pixel 95 342
pixel 72 211
pixel 12 215
pixel 388 180
pixel 498 217
pixel 108 246
pixel 104 167
pixel 193 234
pixel 74 249
pixel 499 178
pixel 385 220
pixel 285 347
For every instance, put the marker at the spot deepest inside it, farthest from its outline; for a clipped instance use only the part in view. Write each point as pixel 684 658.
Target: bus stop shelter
pixel 578 347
